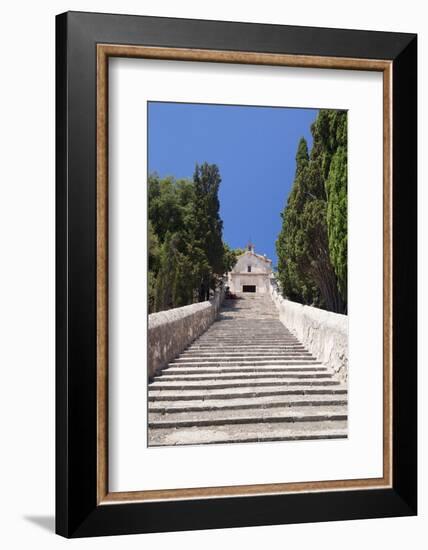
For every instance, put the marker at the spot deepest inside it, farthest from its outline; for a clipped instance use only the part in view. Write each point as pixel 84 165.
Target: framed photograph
pixel 236 274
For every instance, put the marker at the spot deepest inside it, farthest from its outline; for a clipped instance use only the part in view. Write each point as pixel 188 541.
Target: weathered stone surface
pixel 170 332
pixel 250 433
pixel 323 333
pixel 247 378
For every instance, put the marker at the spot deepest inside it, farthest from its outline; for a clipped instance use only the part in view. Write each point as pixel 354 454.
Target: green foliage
pixel 230 257
pixel 337 210
pixel 238 251
pixel 312 244
pixel 154 264
pixel 186 252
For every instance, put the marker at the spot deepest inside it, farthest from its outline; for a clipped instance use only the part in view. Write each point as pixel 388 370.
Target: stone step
pixel 244 302
pixel 229 340
pixel 262 369
pixel 220 418
pixel 270 402
pixel 271 332
pixel 247 306
pixel 247 315
pixel 249 334
pixel 256 307
pixel 245 329
pixel 234 323
pixel 251 433
pixel 242 350
pixel 250 337
pixel 255 348
pixel 239 327
pixel 243 353
pixel 285 340
pixel 210 346
pixel 256 330
pixel 237 305
pixel 253 362
pixel 237 324
pixel 243 357
pixel 181 377
pixel 226 318
pixel 248 341
pixel 246 379
pixel 233 384
pixel 228 331
pixel 197 359
pixel 245 342
pixel 190 394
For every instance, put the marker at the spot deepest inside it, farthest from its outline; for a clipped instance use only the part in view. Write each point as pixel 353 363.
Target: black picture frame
pixel 78 513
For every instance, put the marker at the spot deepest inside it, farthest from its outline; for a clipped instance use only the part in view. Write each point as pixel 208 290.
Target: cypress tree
pixel 312 244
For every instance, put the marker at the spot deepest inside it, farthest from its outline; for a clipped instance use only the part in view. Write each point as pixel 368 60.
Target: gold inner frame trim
pixel 104 51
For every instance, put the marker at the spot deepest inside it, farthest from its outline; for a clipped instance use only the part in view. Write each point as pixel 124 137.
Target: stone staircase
pixel 246 379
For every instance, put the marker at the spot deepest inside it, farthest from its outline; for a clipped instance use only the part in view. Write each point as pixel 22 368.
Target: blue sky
pixel 254 148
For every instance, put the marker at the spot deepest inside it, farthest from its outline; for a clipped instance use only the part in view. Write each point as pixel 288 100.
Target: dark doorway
pixel 248 288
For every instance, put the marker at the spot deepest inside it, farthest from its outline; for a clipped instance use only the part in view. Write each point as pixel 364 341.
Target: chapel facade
pixel 251 273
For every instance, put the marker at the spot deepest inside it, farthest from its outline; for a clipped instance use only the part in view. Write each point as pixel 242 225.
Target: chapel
pixel 251 273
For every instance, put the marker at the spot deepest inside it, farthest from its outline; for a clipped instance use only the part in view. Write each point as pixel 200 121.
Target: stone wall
pixel 170 332
pixel 324 334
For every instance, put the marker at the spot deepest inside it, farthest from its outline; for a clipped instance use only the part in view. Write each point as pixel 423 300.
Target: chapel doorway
pixel 248 288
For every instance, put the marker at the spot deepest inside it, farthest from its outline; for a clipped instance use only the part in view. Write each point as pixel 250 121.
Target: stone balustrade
pixel 172 331
pixel 325 334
